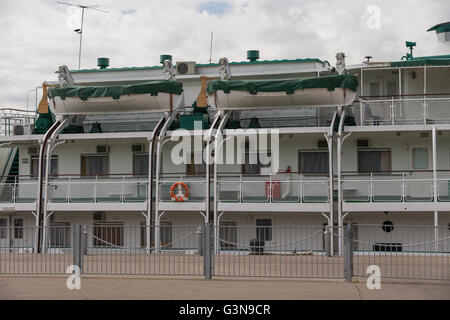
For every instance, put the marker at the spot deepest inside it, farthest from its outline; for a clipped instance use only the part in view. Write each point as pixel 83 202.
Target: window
pixel 228 234
pixel 18 228
pixel 264 229
pixel 60 234
pixel 313 161
pixel 374 160
pixel 194 168
pixel 387 226
pixel 420 158
pixel 34 167
pixel 3 228
pixel 92 165
pixel 108 234
pixel 140 164
pixel 165 234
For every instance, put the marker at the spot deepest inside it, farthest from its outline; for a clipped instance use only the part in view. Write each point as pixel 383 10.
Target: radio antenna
pixel 80 31
pixel 210 47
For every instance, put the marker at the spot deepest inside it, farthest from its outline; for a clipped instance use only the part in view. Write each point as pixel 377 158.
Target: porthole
pixel 387 226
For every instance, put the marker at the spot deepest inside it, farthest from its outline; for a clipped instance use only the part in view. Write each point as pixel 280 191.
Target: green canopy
pixel 288 86
pixel 421 62
pixel 85 92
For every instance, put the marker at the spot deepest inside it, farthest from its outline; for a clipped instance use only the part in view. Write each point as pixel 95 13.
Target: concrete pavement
pixel 133 287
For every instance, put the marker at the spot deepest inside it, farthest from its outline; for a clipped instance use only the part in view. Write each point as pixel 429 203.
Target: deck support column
pixel 329 137
pixel 435 190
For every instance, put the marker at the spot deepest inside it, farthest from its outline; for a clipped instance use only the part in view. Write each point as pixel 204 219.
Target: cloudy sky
pixel 37 35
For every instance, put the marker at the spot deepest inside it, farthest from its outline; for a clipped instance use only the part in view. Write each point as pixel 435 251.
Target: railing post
pixel 371 187
pixel 95 189
pixel 348 253
pixel 403 187
pixel 207 252
pixel 68 190
pixel 77 246
pixel 122 189
pixel 327 236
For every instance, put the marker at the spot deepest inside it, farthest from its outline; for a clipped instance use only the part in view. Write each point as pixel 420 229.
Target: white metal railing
pixel 396 187
pixel 406 110
pixel 10 117
pixel 273 189
pixel 97 189
pixel 196 187
pixel 18 191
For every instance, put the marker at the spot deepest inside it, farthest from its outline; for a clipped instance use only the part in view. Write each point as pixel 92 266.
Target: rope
pixel 273 246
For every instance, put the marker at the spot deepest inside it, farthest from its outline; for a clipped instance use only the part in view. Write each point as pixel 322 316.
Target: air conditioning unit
pixel 137 148
pixel 103 148
pixel 186 68
pixel 22 129
pixel 33 150
pixel 362 143
pixel 99 216
pixel 322 144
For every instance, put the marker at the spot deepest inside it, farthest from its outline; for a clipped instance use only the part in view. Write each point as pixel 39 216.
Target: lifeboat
pixel 155 96
pixel 339 90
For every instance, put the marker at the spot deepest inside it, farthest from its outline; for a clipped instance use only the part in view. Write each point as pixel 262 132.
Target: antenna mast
pixel 80 31
pixel 210 47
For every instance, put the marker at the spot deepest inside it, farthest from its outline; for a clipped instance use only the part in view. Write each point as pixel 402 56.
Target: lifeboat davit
pixel 154 96
pixel 328 91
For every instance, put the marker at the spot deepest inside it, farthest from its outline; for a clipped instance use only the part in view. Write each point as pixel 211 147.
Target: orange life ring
pixel 180 197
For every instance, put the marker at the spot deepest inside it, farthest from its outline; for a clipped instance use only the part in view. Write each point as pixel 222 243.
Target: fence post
pixel 327 240
pixel 207 251
pixel 78 247
pixel 348 253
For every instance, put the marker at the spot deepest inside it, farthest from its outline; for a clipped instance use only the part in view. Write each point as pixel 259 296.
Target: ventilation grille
pixel 322 144
pixel 362 143
pixel 137 148
pixel 99 216
pixel 103 149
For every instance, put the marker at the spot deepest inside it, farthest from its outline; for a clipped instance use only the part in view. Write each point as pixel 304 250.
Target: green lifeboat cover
pixel 421 62
pixel 288 86
pixel 85 92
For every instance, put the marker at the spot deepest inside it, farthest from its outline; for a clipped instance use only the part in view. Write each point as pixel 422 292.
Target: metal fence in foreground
pixel 402 252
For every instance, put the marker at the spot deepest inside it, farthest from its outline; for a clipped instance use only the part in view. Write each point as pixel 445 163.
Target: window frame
pixel 372 150
pixel 94 155
pixel 266 231
pixel 412 157
pixel 36 157
pixel 324 150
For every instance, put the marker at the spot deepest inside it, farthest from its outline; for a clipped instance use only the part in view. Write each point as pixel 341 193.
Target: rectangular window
pixel 374 160
pixel 34 166
pixel 228 234
pixel 93 165
pixel 420 158
pixel 140 164
pixel 108 234
pixel 3 229
pixel 60 234
pixel 18 228
pixel 313 161
pixel 264 229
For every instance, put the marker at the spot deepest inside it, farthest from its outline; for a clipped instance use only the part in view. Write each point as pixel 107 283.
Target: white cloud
pixel 36 40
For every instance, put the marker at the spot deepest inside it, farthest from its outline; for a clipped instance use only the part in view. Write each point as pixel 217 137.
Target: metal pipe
pixel 208 167
pixel 339 173
pixel 151 145
pixel 161 135
pixel 329 138
pixel 216 157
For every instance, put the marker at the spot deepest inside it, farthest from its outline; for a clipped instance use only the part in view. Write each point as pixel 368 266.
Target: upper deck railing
pixel 402 109
pixel 10 117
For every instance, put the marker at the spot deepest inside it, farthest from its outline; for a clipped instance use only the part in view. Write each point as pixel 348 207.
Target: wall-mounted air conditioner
pixel 22 129
pixel 186 68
